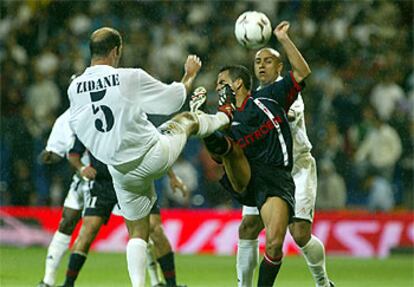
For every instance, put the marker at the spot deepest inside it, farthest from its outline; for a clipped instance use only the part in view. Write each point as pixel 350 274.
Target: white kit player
pixel 268 66
pixel 59 143
pixel 108 113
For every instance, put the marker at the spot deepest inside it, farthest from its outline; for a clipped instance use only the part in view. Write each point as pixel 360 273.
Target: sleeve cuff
pixel 56 151
pixel 297 86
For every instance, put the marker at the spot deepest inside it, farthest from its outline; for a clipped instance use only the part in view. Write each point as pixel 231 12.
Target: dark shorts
pixel 155 208
pixel 103 199
pixel 264 183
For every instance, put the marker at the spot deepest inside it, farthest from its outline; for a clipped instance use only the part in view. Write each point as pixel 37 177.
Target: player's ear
pixel 238 84
pixel 280 68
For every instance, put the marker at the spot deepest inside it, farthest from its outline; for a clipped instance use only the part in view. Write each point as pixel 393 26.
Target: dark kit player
pixel 257 150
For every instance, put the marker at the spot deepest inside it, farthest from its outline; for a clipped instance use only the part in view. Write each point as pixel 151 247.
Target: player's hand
pixel 281 30
pixel 177 184
pixel 192 65
pixel 198 99
pixel 227 101
pixel 87 172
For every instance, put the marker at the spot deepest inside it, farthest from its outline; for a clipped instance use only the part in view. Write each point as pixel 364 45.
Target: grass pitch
pixel 24 267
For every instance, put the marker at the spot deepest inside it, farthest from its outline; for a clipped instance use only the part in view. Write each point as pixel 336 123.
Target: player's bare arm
pixel 177 183
pixel 85 171
pixel 191 67
pixel 300 67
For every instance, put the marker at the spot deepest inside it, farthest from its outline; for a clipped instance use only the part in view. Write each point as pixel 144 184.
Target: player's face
pixel 223 78
pixel 267 67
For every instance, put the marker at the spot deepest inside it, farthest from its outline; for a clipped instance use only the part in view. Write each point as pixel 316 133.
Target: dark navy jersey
pixel 260 126
pixel 102 172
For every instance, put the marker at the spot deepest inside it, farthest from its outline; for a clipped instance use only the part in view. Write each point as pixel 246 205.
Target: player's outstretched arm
pixel 191 67
pixel 300 67
pixel 177 183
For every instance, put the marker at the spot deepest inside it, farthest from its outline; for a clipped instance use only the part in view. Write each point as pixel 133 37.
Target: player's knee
pixel 157 234
pixel 155 228
pixel 67 225
pixel 301 236
pixel 189 121
pixel 86 237
pixel 236 150
pixel 274 246
pixel 249 228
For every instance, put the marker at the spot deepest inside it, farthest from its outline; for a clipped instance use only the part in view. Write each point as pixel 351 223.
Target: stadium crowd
pixel 359 103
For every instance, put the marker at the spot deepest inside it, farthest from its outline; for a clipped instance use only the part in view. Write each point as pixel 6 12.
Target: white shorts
pixel 250 210
pixel 78 194
pixel 304 176
pixel 134 181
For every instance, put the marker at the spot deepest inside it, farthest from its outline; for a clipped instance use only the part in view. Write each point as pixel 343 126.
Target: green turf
pixel 24 267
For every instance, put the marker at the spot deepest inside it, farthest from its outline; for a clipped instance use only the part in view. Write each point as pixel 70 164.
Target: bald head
pixel 103 41
pixel 270 51
pixel 267 66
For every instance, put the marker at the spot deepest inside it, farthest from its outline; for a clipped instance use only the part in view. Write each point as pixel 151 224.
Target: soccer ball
pixel 253 29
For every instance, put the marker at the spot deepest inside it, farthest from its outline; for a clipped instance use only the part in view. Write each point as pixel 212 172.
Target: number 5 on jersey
pixel 109 116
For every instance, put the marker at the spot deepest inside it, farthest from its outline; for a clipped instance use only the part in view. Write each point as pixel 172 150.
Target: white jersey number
pixel 109 116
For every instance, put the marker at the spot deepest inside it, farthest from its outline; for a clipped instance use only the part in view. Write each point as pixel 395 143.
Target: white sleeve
pixel 156 97
pixel 61 137
pixel 298 108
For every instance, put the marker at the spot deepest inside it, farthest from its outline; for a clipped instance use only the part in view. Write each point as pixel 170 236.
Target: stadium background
pixel 362 83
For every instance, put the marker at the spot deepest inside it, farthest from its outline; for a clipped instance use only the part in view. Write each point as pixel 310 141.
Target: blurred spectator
pixel 380 194
pixel 381 147
pixel 385 95
pixel 331 187
pixel 43 98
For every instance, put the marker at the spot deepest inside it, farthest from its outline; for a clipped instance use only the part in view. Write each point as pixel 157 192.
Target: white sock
pixel 56 250
pixel 210 123
pixel 152 266
pixel 314 253
pixel 136 259
pixel 247 261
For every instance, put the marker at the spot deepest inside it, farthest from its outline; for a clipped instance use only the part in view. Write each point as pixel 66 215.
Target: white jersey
pixel 61 137
pixel 301 143
pixel 108 111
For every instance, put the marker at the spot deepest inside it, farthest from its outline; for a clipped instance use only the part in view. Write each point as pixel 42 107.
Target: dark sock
pixel 217 143
pixel 168 268
pixel 76 262
pixel 269 268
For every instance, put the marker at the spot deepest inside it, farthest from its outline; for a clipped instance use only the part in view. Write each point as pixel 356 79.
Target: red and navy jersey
pixel 260 126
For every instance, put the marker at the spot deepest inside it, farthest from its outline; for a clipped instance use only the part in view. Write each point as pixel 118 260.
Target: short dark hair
pixel 239 71
pixel 103 40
